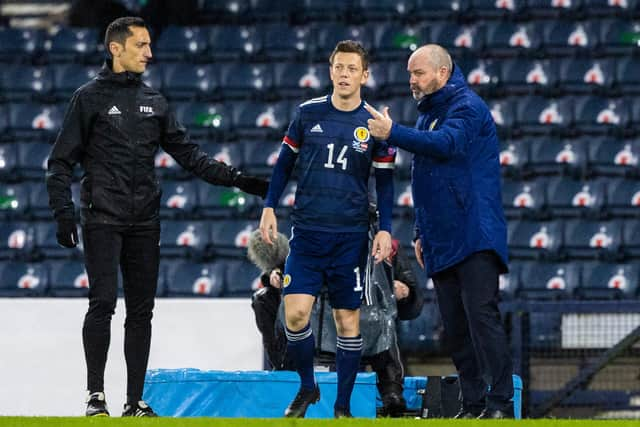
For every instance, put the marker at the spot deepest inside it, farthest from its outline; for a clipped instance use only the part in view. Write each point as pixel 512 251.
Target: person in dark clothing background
pixel 461 231
pixel 113 128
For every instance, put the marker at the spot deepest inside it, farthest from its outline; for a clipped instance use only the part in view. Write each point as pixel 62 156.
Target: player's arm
pixel 383 163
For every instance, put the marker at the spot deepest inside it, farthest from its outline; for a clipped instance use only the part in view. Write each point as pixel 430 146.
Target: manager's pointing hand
pixel 380 124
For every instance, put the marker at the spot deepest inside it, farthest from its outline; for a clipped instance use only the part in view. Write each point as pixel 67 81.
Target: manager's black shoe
pixel 96 405
pixel 138 409
pixel 341 413
pixel 305 397
pixel 495 414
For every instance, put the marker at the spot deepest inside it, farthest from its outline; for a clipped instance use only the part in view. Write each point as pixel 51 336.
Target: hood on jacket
pixel 106 74
pixel 455 83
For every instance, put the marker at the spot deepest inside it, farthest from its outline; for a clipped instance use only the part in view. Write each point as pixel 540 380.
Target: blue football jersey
pixel 335 153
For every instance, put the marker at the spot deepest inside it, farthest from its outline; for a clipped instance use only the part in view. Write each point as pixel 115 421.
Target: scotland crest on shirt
pixel 361 139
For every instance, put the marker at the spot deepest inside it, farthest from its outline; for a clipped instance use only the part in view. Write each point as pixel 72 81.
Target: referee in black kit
pixel 113 128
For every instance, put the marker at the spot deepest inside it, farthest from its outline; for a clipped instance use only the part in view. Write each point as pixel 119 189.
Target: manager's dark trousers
pixel 136 252
pixel 468 299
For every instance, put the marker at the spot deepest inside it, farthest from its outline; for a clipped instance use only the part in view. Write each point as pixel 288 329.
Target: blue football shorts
pixel 337 259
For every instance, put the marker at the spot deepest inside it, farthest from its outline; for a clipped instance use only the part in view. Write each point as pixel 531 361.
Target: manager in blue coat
pixel 461 232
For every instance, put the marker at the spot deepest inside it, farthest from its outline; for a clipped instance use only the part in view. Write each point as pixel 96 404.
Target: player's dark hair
pixel 351 46
pixel 118 31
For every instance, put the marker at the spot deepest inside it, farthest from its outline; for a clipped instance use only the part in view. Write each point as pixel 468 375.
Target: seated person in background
pixel 266 301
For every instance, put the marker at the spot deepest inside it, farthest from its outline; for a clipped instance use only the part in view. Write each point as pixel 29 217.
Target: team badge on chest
pixel 361 138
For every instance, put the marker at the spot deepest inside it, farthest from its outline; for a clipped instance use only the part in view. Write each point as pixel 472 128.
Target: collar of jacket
pixel 441 96
pixel 124 78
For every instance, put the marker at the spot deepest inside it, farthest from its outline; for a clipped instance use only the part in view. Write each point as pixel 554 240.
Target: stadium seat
pixel 69 77
pixel 402 168
pixel 623 198
pixel 244 81
pixel 22 279
pixel 483 75
pixel 46 245
pixel 21 83
pixel 562 38
pixel 263 10
pixel 376 84
pixel 153 76
pixel 529 239
pixel 39 201
pixel 631 238
pixel 504 114
pixel 628 76
pixel 555 156
pixel 14 200
pixel 68 279
pixel 260 156
pixel 545 331
pixel 4 122
pixel 324 10
pixel 422 335
pixel 608 281
pixel 301 81
pixel 593 239
pixel 586 75
pixel 546 9
pixel 205 119
pixel 618 37
pixel 241 280
pixel 608 8
pixel 188 279
pixel 181 43
pixel 571 198
pixel 261 120
pixel 9 160
pixel 184 239
pixel 601 116
pixel 538 115
pixel 233 42
pixel 529 76
pixel 523 199
pixel 167 167
pixel 543 280
pixel 231 237
pixel 230 153
pixel 328 34
pixel 224 202
pixel 32 159
pixel 16 239
pixel 20 43
pixel 514 156
pixel 282 42
pixel 459 39
pixel 403 203
pixel 511 39
pixel 613 156
pixel 184 81
pixel 226 10
pixel 179 199
pixel 31 121
pixel 70 44
pixel 438 10
pixel 384 10
pixel 397 41
pixel 491 9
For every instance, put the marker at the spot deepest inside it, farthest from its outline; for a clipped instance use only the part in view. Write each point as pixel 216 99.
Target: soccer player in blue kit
pixel 329 144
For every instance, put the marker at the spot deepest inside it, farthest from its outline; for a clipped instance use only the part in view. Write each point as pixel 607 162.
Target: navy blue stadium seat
pixel 68 279
pixel 614 156
pixel 593 239
pixel 384 10
pixel 16 239
pixel 168 167
pixel 32 159
pixel 4 122
pixel 397 41
pixel 608 281
pixel 553 9
pixel 555 156
pixel 263 10
pixel 623 198
pixel 46 244
pixel 328 34
pixel 545 330
pixel 377 82
pixel 233 42
pixel 596 115
pixel 403 203
pixel 179 199
pixel 231 237
pixel 39 201
pixel 184 81
pixel 439 10
pixel 542 280
pixel 205 119
pixel 536 114
pixel 631 238
pixel 26 83
pixel 568 37
pixel 225 10
pixel 21 279
pixel 184 238
pixel 223 202
pixel 529 76
pixel 188 279
pixel 422 335
pixel 324 10
pixel 226 152
pixel 35 121
pixel 503 112
pixel 301 80
pixel 510 39
pixel 492 9
pixel 20 44
pixel 609 8
pixel 523 198
pixel 69 77
pixel 628 75
pixel 619 37
pixel 285 42
pixel 459 39
pixel 260 156
pixel 9 160
pixel 70 44
pixel 153 76
pixel 529 239
pixel 586 75
pixel 14 200
pixel 483 75
pixel 514 156
pixel 181 43
pixel 568 197
pixel 241 280
pixel 243 81
pixel 261 120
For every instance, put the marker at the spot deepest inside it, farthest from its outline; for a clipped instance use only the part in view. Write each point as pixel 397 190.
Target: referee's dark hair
pixel 351 46
pixel 118 31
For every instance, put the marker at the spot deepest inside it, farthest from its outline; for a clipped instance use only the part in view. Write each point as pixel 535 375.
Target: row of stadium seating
pixel 237 278
pixel 182 81
pixel 538 38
